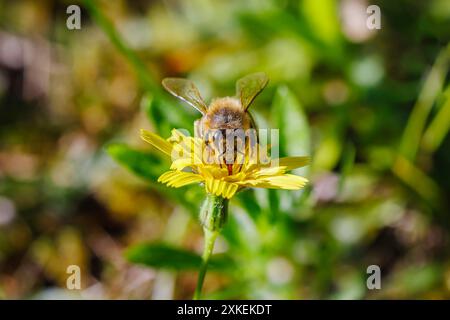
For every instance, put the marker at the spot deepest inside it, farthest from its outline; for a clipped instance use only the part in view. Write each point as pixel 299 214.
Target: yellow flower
pixel 189 166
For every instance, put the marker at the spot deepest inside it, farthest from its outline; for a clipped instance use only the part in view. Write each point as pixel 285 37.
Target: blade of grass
pixel 409 144
pixel 418 181
pixel 439 127
pixel 108 28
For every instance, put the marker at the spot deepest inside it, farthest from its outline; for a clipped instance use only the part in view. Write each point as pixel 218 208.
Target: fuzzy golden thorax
pixel 226 113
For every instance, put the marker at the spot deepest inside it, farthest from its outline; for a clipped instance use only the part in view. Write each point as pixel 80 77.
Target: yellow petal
pixel 286 181
pixel 179 179
pixel 178 136
pixel 231 190
pixel 156 141
pixel 293 162
pixel 221 188
pixel 181 163
pixel 213 171
pixel 270 171
pixel 186 147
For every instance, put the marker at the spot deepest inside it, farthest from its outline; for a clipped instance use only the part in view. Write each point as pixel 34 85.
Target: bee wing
pixel 248 87
pixel 186 91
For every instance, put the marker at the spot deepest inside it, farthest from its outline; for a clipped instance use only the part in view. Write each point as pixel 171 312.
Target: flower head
pixel 191 165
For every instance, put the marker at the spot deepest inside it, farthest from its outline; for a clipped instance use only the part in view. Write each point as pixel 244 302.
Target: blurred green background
pixel 371 107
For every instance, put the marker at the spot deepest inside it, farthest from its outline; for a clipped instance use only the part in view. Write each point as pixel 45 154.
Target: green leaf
pixel 149 167
pixel 160 255
pixel 329 150
pixel 144 165
pixel 290 119
pixel 294 139
pixel 322 17
pixel 249 203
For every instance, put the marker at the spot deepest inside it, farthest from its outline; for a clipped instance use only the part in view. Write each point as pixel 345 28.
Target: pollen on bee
pixel 230 103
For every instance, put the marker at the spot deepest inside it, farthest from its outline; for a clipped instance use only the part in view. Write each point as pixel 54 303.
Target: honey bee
pixel 224 115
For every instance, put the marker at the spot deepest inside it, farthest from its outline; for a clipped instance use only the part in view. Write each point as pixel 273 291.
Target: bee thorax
pixel 226 113
pixel 226 119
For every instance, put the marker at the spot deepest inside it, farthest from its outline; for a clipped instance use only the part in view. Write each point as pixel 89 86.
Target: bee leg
pixel 198 128
pixel 224 160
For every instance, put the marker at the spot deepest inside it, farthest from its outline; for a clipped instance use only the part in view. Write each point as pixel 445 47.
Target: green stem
pixel 210 238
pixel 213 215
